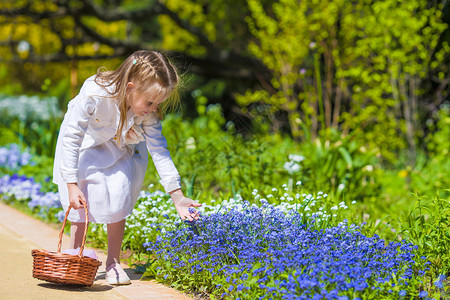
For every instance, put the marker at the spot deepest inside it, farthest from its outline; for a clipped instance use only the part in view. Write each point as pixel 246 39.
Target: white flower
pixel 353 202
pixel 190 143
pixel 134 135
pixel 299 183
pixel 341 187
pixel 291 167
pixel 368 168
pixel 296 158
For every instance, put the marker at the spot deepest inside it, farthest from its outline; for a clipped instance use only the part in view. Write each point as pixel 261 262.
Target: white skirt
pixel 111 187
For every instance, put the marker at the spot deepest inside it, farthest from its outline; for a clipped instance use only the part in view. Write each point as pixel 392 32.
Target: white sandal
pixel 115 275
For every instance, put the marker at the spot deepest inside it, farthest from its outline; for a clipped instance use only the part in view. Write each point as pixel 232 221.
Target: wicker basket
pixel 65 268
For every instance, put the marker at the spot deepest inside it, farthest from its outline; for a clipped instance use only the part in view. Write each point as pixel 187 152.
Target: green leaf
pixel 346 156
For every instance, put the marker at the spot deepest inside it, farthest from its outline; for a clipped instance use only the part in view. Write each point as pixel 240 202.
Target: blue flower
pixel 12 158
pixel 439 284
pixel 423 294
pixel 60 216
pixel 402 293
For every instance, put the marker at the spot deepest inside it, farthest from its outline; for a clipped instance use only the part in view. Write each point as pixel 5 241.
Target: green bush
pixel 428 226
pixel 215 160
pixel 432 173
pixel 339 165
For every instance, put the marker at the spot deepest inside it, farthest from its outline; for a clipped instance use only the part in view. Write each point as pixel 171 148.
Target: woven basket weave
pixel 65 268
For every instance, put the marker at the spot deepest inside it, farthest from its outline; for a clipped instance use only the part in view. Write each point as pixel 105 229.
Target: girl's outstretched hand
pixel 185 206
pixel 186 209
pixel 75 196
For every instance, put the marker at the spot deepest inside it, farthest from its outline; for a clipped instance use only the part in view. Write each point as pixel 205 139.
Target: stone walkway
pixel 19 234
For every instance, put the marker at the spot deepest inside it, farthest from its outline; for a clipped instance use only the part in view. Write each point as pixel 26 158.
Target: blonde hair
pixel 147 69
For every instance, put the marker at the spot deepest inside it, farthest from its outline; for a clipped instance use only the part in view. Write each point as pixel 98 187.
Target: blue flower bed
pixel 12 158
pixel 25 189
pixel 262 252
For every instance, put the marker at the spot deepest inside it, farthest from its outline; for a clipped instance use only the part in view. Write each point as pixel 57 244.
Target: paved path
pixel 19 234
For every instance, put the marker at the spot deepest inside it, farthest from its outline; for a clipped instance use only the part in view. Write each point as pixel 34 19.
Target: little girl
pixel 101 154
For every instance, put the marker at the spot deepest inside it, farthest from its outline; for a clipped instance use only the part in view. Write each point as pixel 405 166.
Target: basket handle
pixel 85 228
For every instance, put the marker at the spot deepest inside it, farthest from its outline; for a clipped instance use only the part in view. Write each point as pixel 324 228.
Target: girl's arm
pixel 157 147
pixel 170 178
pixel 73 130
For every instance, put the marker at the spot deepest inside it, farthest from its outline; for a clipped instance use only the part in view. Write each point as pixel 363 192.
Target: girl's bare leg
pixel 115 238
pixel 76 234
pixel 114 272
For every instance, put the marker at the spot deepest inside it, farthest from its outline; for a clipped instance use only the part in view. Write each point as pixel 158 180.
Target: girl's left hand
pixel 186 208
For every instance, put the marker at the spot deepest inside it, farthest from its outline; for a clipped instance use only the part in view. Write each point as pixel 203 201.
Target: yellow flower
pixel 403 174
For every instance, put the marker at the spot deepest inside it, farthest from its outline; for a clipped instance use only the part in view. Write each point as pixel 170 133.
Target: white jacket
pixel 92 119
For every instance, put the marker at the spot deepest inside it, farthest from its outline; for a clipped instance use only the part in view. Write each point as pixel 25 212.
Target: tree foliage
pixel 356 65
pixel 207 37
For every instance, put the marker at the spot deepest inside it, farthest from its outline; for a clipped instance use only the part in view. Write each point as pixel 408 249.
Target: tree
pixel 201 34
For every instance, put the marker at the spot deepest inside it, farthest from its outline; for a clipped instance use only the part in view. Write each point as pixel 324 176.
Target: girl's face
pixel 142 103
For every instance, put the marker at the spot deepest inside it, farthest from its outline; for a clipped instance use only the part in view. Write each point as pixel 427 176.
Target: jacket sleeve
pixel 75 124
pixel 157 147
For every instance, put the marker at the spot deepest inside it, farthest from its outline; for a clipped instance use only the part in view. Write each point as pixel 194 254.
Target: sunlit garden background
pixel 315 133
